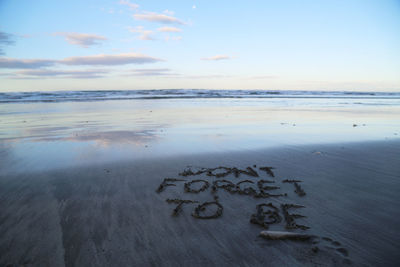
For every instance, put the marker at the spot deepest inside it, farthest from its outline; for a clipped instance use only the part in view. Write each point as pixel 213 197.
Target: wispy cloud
pixel 263 77
pixel 129 4
pixel 82 39
pixel 169 12
pixel 26 35
pixel 153 72
pixel 211 76
pixel 13 63
pixel 144 34
pixel 78 74
pixel 157 17
pixel 95 60
pixel 107 60
pixel 169 29
pixel 173 38
pixel 217 57
pixel 6 39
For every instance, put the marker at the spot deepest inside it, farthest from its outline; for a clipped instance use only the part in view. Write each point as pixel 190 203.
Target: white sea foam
pixel 62 96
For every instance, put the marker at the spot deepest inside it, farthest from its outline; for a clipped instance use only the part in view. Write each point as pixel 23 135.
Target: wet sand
pixel 111 215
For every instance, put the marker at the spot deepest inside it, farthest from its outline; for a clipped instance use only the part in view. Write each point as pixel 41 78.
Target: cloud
pixel 108 60
pixel 156 17
pixel 144 34
pixel 12 63
pixel 211 76
pixel 6 39
pixel 26 35
pixel 129 4
pixel 46 73
pixel 217 57
pixel 81 39
pixel 168 12
pixel 95 60
pixel 5 74
pixel 173 38
pixel 153 72
pixel 169 29
pixel 263 77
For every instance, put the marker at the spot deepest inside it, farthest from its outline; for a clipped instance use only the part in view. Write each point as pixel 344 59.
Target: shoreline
pixel 152 94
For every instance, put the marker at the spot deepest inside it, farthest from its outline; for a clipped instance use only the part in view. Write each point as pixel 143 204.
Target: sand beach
pixel 82 189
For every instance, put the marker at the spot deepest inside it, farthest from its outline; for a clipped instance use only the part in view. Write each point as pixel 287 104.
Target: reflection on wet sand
pixel 133 129
pixel 52 151
pixel 110 138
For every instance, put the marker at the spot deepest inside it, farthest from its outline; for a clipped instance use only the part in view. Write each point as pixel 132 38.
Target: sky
pixel 198 44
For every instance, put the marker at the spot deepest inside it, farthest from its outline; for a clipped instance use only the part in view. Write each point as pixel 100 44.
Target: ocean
pixel 62 96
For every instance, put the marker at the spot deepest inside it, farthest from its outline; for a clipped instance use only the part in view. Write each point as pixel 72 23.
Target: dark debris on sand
pixel 264 218
pixel 189 189
pixel 180 203
pixel 197 213
pixel 219 172
pixel 268 170
pixel 290 217
pixel 165 183
pixel 298 190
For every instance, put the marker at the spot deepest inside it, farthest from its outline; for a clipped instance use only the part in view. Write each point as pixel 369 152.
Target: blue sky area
pixel 288 45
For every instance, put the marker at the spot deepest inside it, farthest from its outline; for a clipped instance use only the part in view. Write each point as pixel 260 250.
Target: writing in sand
pixel 265 213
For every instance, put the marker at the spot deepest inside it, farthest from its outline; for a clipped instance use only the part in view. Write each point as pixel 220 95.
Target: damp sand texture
pixel 80 182
pixel 104 215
